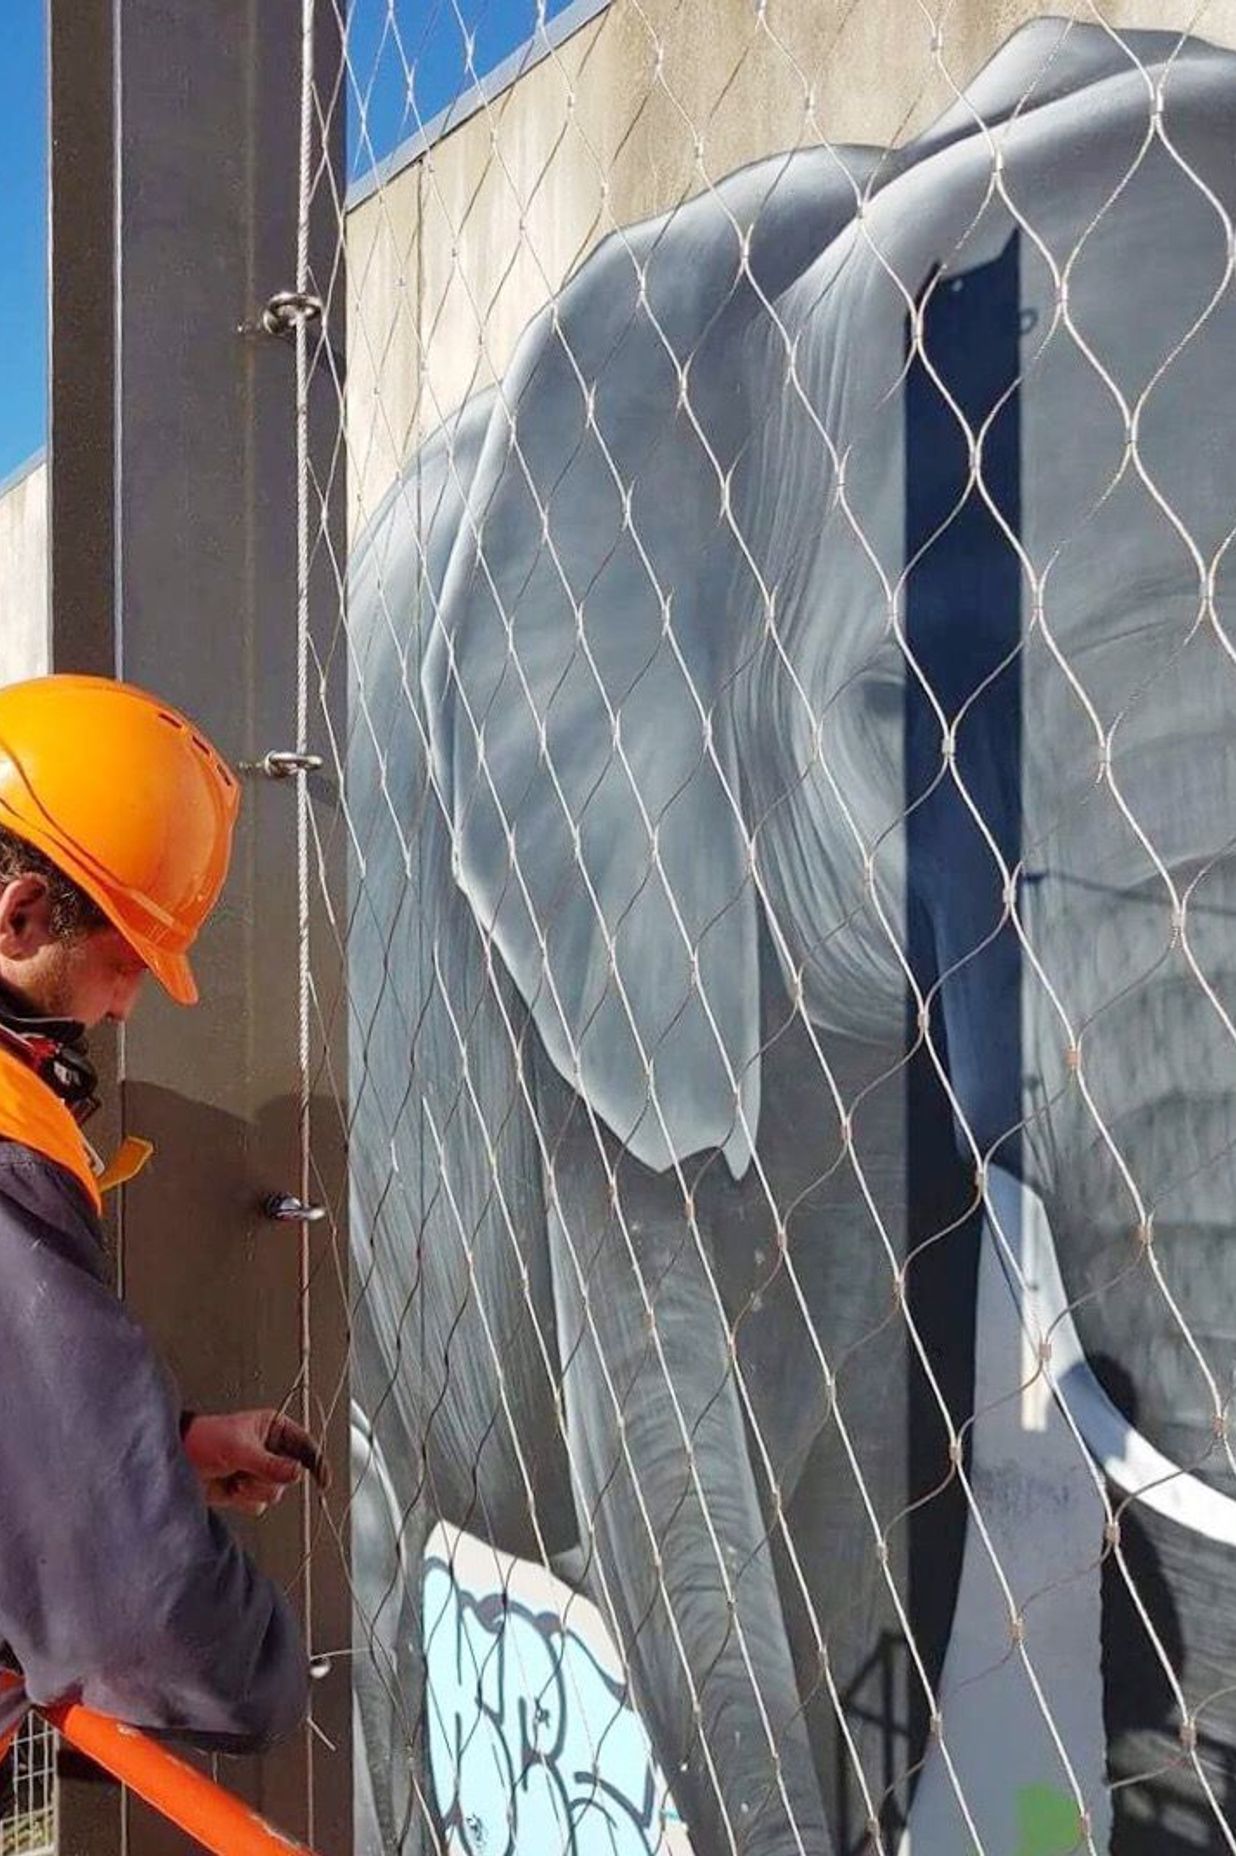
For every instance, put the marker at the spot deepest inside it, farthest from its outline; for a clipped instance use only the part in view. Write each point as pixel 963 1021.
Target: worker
pixel 120 1585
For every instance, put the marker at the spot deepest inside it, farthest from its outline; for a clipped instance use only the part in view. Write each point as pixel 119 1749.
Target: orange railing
pixel 195 1804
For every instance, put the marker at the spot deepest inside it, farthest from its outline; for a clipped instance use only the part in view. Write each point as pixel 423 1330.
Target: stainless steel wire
pixel 783 783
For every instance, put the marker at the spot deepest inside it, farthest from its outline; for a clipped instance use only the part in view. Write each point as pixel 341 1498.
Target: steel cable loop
pixel 296 313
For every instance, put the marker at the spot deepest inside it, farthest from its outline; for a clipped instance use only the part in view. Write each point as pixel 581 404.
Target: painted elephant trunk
pixel 677 1543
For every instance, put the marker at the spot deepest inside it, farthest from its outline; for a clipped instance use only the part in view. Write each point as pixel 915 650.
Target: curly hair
pixel 73 912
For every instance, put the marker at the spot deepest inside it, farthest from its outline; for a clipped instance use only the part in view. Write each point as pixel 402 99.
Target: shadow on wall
pixel 1157 1804
pixel 220 1296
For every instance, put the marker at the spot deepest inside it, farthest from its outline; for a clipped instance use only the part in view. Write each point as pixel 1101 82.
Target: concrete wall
pixel 646 104
pixel 24 649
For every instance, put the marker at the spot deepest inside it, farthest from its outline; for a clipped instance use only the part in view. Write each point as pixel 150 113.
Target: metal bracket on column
pixel 282 763
pixel 285 312
pixel 287 1208
pixel 287 308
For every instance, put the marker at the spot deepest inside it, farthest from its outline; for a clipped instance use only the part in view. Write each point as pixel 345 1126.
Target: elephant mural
pixel 793 790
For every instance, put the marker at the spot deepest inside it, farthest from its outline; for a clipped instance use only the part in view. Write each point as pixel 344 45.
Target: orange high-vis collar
pixel 33 1115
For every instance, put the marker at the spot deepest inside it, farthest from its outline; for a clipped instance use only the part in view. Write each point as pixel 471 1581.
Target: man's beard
pixel 53 997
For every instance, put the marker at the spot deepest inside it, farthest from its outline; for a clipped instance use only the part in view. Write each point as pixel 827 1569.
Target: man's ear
pixel 25 917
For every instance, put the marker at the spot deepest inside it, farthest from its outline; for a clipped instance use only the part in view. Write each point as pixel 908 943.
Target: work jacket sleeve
pixel 118 1586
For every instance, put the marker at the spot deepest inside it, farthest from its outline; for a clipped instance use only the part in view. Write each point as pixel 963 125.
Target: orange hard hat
pixel 129 799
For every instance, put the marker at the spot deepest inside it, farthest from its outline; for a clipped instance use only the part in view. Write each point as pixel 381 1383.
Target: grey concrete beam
pixel 175 193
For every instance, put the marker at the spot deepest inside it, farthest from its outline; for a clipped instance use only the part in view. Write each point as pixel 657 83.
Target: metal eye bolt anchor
pixel 282 763
pixel 287 1208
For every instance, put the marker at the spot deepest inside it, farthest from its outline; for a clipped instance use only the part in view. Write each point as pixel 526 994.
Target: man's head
pixel 116 819
pixel 59 954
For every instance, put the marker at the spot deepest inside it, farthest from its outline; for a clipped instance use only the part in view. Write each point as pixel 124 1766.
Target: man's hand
pixel 247 1459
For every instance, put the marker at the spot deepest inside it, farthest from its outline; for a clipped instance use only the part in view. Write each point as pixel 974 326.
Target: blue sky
pixel 408 58
pixel 23 235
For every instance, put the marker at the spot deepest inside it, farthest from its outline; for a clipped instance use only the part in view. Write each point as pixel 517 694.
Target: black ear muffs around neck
pixel 55 1050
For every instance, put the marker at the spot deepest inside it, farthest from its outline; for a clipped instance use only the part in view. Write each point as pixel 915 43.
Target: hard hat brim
pixel 172 971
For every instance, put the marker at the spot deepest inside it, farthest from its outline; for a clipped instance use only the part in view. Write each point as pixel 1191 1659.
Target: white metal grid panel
pixel 30 1819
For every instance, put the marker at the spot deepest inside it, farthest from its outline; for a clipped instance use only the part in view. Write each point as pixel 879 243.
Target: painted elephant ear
pixel 576 684
pixel 397 567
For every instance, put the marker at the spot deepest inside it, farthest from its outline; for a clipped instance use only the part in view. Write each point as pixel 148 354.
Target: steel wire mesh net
pixel 30 1809
pixel 777 670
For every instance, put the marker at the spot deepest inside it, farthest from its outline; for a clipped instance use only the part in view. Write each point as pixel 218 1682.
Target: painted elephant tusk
pixel 1128 1459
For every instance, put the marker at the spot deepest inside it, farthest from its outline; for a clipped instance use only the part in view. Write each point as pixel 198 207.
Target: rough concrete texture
pixel 24 640
pixel 647 104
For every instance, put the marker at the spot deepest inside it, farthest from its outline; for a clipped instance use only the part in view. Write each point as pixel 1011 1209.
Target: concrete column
pixel 175 190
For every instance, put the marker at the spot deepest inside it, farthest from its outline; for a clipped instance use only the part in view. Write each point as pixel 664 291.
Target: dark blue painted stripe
pixel 962 621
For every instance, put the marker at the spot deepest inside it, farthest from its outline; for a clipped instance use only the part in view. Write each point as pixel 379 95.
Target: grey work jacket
pixel 118 1586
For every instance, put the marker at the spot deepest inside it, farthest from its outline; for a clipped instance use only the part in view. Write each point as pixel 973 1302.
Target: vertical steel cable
pixel 302 795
